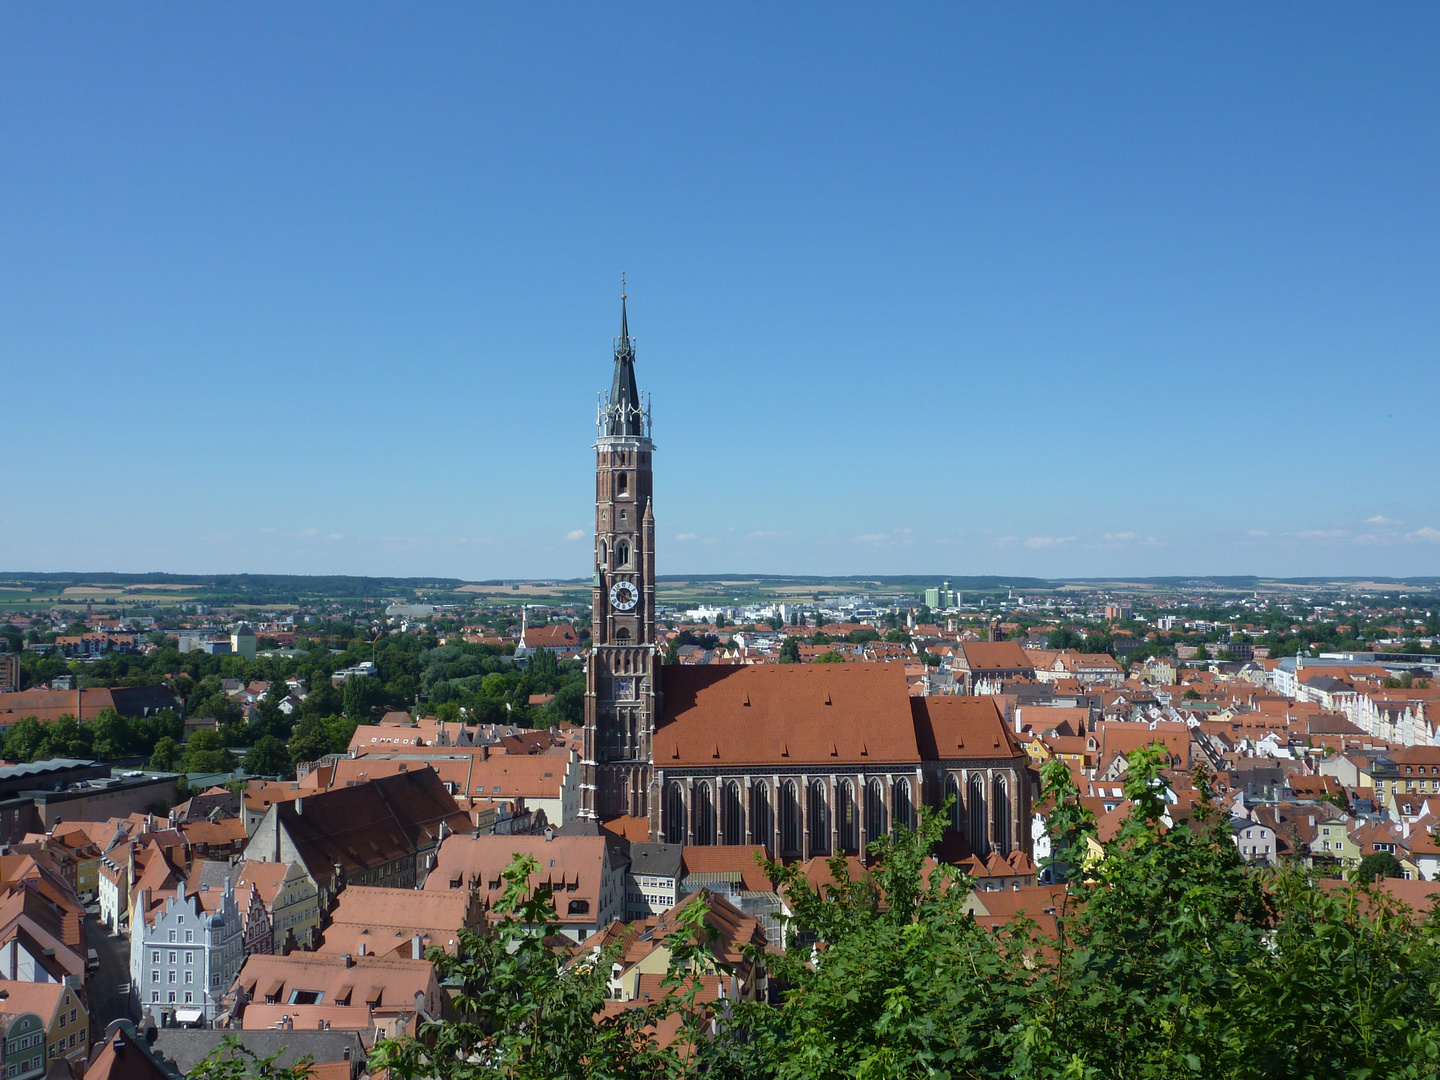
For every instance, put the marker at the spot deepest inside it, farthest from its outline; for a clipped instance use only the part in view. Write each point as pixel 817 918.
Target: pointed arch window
pixel 1001 810
pixel 819 818
pixel 874 809
pixel 604 555
pixel 704 814
pixel 734 814
pixel 761 822
pixel 979 841
pixel 789 817
pixel 952 791
pixel 622 553
pixel 674 814
pixel 903 814
pixel 622 485
pixel 847 817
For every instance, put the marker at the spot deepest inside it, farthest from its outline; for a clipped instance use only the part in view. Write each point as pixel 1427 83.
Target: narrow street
pixel 110 985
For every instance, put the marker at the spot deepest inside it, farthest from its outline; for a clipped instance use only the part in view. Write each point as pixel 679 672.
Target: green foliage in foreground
pixel 1172 960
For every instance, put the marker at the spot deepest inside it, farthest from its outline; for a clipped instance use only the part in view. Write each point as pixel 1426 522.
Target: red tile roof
pixel 812 714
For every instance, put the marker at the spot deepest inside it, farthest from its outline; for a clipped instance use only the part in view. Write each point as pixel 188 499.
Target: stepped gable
pixel 371 824
pixel 947 728
pixel 764 714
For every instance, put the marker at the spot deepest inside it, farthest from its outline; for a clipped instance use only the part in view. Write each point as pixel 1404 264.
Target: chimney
pixel 299 807
pixel 347 960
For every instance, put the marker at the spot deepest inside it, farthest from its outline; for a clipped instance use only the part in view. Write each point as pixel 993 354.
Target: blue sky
pixel 1064 291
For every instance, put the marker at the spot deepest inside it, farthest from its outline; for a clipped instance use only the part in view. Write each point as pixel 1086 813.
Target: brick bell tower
pixel 621 675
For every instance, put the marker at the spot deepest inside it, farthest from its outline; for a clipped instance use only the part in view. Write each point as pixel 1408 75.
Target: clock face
pixel 624 595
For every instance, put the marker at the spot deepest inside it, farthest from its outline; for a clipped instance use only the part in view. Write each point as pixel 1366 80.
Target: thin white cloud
pixel 885 539
pixel 765 535
pixel 575 534
pixel 1321 534
pixel 1425 533
pixel 1049 541
pixel 334 536
pixel 1380 519
pixel 1122 537
pixel 1257 533
pixel 687 536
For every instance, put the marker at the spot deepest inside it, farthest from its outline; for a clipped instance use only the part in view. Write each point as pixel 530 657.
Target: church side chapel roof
pixel 775 715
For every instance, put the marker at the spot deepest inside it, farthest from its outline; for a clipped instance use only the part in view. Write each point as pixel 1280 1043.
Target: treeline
pixel 108 737
pixel 480 683
pixel 1169 959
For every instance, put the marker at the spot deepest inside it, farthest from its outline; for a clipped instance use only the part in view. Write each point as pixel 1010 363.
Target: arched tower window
pixel 762 824
pixel 622 553
pixel 621 634
pixel 604 555
pixel 847 817
pixel 704 814
pixel 789 817
pixel 1001 810
pixel 874 809
pixel 622 484
pixel 979 841
pixel 734 814
pixel 819 818
pixel 952 791
pixel 674 814
pixel 903 813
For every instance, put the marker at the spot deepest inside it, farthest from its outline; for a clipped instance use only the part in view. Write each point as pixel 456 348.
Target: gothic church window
pixel 1002 816
pixel 978 840
pixel 734 814
pixel 761 822
pixel 622 553
pixel 902 804
pixel 674 814
pixel 847 817
pixel 789 817
pixel 874 809
pixel 952 791
pixel 704 815
pixel 819 818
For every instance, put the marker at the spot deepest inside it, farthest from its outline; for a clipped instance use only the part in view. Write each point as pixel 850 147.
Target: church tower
pixel 621 691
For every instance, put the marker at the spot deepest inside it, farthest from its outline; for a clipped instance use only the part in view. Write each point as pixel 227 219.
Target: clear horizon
pixel 1119 292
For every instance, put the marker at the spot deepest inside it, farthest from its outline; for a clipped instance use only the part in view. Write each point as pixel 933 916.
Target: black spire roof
pixel 623 414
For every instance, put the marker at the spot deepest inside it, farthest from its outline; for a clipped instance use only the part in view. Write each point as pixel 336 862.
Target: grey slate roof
pixel 187 1047
pixel 661 860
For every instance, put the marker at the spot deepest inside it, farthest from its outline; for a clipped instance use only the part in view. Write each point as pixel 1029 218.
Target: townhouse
pixel 185 951
pixel 61 1009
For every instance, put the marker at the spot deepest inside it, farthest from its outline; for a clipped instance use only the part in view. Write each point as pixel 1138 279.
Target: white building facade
pixel 184 958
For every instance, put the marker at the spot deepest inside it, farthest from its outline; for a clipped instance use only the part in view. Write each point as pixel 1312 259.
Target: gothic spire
pixel 623 413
